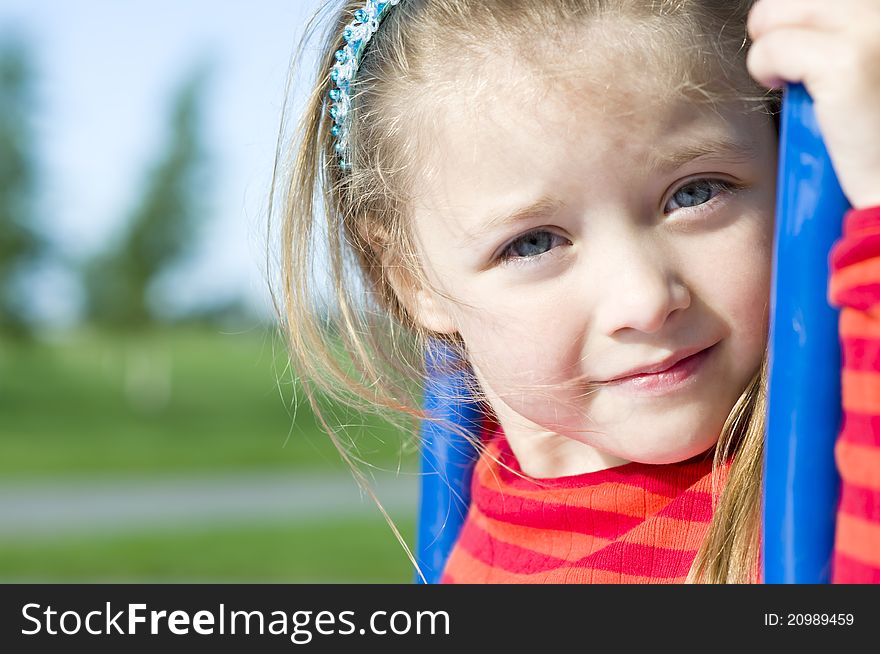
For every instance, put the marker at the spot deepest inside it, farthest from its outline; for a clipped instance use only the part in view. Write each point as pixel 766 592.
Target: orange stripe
pixel 467 570
pixel 858 539
pixel 569 575
pixel 659 531
pixel 631 500
pixel 669 532
pixel 860 391
pixel 858 464
pixel 853 275
pixel 550 542
pixel 585 576
pixel 858 324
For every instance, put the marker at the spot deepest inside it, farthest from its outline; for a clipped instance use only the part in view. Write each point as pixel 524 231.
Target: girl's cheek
pixel 749 303
pixel 520 357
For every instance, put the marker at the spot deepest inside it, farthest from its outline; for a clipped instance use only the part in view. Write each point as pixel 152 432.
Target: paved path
pixel 43 509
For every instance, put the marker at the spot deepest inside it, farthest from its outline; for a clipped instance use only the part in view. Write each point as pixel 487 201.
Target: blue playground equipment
pixel 801 480
pixel 447 460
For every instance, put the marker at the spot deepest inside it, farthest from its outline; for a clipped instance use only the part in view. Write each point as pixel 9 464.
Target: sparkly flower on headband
pixel 356 34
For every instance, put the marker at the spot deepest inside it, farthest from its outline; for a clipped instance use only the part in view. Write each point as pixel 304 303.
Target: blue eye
pixel 529 247
pixel 698 192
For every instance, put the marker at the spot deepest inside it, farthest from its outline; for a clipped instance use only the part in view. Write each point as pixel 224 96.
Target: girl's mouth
pixel 680 376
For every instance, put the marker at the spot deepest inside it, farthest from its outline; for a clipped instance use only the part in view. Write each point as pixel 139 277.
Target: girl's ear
pixel 429 313
pixel 424 306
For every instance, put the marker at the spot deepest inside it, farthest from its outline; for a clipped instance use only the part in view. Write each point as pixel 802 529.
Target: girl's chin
pixel 660 450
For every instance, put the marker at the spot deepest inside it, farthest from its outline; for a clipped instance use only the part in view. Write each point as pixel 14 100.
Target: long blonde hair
pixel 357 344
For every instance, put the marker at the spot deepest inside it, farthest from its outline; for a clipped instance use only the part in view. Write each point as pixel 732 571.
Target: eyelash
pixel 719 185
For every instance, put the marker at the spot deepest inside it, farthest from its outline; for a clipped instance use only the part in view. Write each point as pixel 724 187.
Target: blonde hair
pixel 361 347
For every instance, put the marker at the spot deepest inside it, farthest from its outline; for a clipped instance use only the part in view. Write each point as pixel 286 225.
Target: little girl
pixel 578 196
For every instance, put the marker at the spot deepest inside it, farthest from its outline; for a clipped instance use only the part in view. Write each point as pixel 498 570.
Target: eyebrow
pixel 543 206
pixel 722 148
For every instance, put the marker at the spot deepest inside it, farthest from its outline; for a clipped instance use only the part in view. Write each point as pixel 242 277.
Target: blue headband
pixel 356 34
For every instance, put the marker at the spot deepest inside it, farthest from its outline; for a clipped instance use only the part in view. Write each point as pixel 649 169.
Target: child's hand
pixel 833 48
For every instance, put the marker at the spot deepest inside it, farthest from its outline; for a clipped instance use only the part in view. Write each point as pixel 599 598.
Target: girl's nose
pixel 639 290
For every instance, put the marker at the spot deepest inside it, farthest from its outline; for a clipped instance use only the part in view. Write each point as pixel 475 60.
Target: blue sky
pixel 106 70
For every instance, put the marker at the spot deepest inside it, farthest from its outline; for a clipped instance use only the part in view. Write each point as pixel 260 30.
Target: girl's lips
pixel 679 376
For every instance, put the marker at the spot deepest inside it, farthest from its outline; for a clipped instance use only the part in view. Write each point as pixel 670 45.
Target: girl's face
pixel 589 234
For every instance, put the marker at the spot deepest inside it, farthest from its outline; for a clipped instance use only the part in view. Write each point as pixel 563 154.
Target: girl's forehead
pixel 607 63
pixel 554 100
pixel 554 129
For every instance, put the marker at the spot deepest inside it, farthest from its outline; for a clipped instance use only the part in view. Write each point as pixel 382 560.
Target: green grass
pixel 181 401
pixel 171 400
pixel 353 551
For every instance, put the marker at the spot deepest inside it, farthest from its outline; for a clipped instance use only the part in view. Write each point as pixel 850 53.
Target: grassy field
pixel 353 551
pixel 175 402
pixel 165 401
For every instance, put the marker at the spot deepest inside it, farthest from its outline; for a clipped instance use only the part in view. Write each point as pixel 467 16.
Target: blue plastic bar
pixel 447 461
pixel 801 481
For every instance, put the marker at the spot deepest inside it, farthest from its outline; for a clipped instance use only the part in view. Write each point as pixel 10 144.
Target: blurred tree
pixel 20 244
pixel 165 222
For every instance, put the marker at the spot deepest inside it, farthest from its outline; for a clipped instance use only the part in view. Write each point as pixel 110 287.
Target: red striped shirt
pixel 642 523
pixel 855 287
pixel 636 523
